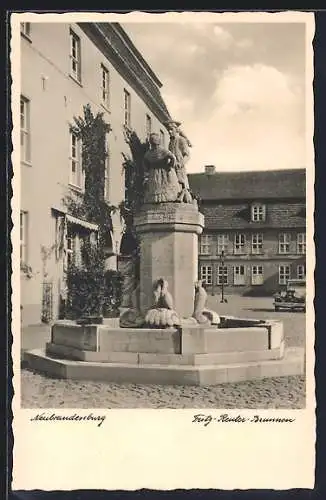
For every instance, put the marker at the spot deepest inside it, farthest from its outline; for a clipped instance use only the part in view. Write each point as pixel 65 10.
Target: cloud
pixel 237 88
pixel 257 122
pixel 223 37
pixel 244 44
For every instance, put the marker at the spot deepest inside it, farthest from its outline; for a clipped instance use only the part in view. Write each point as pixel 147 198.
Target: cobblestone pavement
pixel 39 391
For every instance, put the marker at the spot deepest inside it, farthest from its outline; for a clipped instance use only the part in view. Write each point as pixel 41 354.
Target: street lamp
pixel 223 278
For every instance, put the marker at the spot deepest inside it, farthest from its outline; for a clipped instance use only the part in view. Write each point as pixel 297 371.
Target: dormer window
pixel 258 212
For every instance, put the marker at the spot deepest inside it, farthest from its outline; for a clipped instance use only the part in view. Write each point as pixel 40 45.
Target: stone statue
pixel 162 182
pixel 162 313
pixel 201 314
pixel 179 146
pixel 132 317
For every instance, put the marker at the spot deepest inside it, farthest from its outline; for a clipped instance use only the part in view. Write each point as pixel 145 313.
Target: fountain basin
pixel 239 349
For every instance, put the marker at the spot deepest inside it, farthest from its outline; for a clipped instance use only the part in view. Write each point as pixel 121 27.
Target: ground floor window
pixel 284 274
pixel 257 275
pixel 301 272
pixel 206 274
pixel 239 275
pixel 77 236
pixel 222 275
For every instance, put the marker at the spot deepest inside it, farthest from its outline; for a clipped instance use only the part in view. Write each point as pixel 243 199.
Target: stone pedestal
pixel 169 249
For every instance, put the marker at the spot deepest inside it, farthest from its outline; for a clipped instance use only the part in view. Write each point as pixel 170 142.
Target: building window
pixel 222 275
pixel 25 29
pixel 258 212
pixel 76 238
pixel 301 272
pixel 205 244
pixel 75 56
pixel 239 275
pixel 257 243
pixel 301 243
pixel 148 126
pixel 71 249
pixel 25 135
pixel 23 236
pixel 127 108
pixel 105 86
pixel 222 243
pixel 76 174
pixel 284 274
pixel 239 243
pixel 106 170
pixel 257 275
pixel 284 243
pixel 206 274
pixel 162 138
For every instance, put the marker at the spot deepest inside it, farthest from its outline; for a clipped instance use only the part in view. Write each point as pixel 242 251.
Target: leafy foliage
pixel 135 175
pixel 135 183
pixel 87 285
pixel 113 293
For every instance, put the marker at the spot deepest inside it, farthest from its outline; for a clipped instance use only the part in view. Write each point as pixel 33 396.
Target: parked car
pixel 293 298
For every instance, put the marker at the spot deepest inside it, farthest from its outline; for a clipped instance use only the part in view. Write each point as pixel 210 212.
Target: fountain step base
pixel 158 358
pixel 292 363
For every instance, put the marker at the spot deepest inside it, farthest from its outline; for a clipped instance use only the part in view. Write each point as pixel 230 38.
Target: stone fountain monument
pixel 168 336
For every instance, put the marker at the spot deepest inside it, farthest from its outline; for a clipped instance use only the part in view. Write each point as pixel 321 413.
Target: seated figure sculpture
pixel 162 181
pixel 162 313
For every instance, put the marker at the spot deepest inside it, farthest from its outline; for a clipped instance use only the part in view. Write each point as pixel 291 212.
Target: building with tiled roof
pixel 255 229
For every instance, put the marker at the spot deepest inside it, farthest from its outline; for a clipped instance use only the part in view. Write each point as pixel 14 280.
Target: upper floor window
pixel 75 56
pixel 257 275
pixel 239 243
pixel 257 243
pixel 222 275
pixel 206 274
pixel 284 242
pixel 76 174
pixel 301 243
pixel 25 136
pixel 205 244
pixel 148 126
pixel 222 243
pixel 23 236
pixel 258 212
pixel 284 274
pixel 25 29
pixel 162 138
pixel 127 108
pixel 105 86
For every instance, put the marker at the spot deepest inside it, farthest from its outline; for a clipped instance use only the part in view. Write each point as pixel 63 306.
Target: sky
pixel 237 88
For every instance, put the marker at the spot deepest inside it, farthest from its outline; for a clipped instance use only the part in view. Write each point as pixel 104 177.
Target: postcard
pixel 163 254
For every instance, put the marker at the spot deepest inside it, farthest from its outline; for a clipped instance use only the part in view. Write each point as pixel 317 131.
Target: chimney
pixel 209 169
